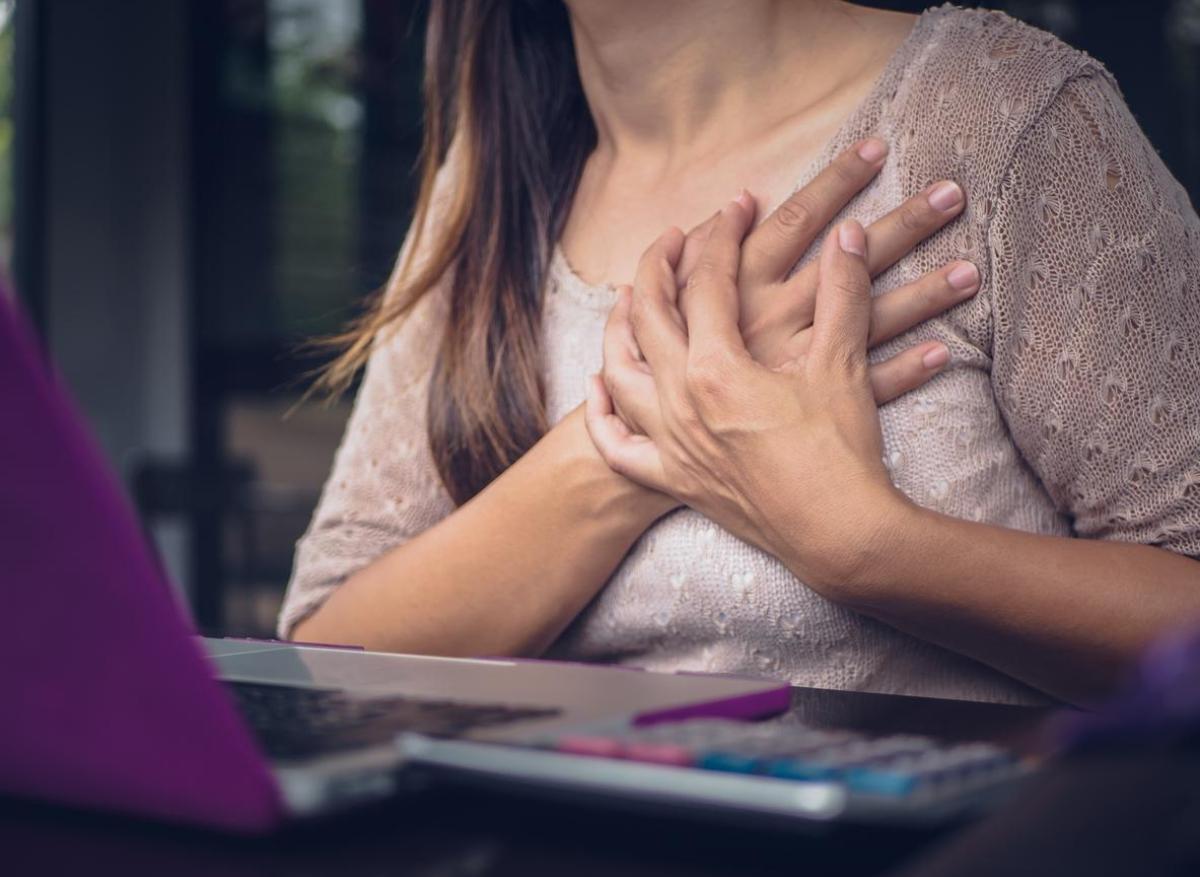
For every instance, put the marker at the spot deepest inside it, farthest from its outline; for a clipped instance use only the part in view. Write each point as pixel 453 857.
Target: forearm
pixel 1065 615
pixel 505 573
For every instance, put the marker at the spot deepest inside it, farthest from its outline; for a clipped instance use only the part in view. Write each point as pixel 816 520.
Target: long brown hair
pixel 501 83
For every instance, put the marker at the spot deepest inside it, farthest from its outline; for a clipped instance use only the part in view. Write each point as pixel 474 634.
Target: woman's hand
pixel 787 458
pixel 776 307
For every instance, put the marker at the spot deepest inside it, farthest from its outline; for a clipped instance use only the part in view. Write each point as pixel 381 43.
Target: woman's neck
pixel 694 99
pixel 686 77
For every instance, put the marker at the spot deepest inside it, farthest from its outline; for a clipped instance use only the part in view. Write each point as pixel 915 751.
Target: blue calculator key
pixel 875 781
pixel 730 762
pixel 799 769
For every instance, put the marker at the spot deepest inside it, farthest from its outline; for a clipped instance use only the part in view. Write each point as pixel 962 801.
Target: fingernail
pixel 964 277
pixel 744 199
pixel 851 238
pixel 945 196
pixel 937 357
pixel 872 151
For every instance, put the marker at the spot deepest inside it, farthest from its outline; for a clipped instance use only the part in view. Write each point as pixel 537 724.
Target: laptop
pixel 117 705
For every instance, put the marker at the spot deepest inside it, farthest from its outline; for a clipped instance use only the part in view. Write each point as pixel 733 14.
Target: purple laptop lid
pixel 111 703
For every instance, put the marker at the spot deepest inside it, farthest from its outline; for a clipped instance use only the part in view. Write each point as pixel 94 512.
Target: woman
pixel 1067 406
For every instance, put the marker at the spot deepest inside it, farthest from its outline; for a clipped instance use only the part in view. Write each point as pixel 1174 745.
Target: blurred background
pixel 191 188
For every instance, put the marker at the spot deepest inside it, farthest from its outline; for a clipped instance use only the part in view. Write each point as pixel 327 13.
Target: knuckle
pixel 795 215
pixel 848 287
pixel 912 218
pixel 847 170
pixel 707 376
pixel 940 294
pixel 711 277
pixel 930 295
pixel 846 359
pixel 706 267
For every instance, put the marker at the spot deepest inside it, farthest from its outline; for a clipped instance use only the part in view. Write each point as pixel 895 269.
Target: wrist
pixel 864 551
pixel 604 493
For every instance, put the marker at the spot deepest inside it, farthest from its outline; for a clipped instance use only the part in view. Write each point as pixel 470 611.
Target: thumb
pixel 842 315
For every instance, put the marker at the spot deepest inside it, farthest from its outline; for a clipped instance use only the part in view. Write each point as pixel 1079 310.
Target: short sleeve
pixel 384 488
pixel 1095 278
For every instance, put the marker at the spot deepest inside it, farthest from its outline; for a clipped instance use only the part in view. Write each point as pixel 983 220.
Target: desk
pixel 461 832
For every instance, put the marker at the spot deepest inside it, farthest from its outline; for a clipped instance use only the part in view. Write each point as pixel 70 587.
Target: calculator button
pixel 729 762
pixel 881 781
pixel 660 753
pixel 600 747
pixel 800 769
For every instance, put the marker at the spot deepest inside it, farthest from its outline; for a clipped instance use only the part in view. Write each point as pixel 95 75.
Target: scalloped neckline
pixel 567 280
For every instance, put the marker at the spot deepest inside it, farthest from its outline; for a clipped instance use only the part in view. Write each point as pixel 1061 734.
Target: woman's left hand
pixel 788 458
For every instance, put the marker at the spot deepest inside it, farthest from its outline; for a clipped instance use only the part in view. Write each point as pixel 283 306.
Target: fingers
pixel 775 246
pixel 895 235
pixel 626 377
pixel 908 370
pixel 636 457
pixel 620 346
pixel 657 325
pixel 843 308
pixel 928 296
pixel 711 306
pixel 888 240
pixel 693 246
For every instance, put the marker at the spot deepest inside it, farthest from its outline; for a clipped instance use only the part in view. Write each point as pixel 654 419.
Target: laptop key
pixel 294 723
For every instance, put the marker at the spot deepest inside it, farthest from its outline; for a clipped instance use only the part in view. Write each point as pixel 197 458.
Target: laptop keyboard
pixel 295 723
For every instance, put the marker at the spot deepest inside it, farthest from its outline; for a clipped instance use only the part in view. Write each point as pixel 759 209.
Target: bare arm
pixel 1098 388
pixel 1065 615
pixel 390 564
pixel 506 572
pixel 1092 373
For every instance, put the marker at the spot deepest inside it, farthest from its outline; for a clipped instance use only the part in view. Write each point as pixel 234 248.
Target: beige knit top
pixel 1071 405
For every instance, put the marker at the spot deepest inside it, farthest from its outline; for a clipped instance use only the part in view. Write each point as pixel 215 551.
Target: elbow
pixel 315 628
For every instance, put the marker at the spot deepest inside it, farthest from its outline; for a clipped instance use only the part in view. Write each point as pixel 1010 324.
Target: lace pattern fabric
pixel 1070 406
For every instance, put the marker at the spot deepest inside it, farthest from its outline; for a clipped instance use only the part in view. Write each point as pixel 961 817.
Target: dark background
pixel 200 185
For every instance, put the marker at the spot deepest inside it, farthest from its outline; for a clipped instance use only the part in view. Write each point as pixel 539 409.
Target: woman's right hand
pixel 776 306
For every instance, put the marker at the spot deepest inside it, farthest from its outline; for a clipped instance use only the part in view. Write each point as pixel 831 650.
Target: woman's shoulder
pixel 974 83
pixel 988 52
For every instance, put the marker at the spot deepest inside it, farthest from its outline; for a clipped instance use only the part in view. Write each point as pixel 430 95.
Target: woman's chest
pixel 691 594
pixel 945 444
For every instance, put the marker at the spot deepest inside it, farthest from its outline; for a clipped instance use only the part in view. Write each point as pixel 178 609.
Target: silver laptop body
pixel 580 694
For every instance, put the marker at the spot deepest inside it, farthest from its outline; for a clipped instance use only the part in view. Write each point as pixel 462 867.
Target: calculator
pixel 758 771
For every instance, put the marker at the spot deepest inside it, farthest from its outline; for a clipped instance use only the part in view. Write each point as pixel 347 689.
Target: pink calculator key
pixel 600 747
pixel 660 753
